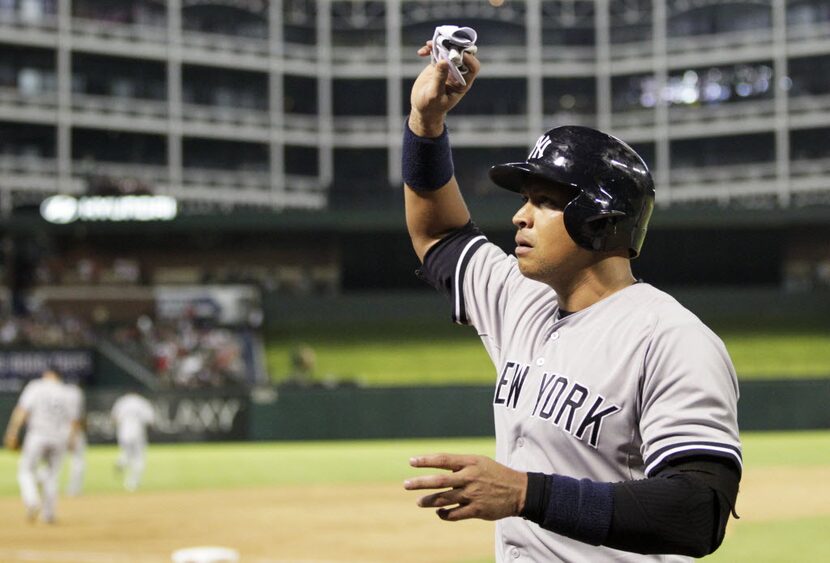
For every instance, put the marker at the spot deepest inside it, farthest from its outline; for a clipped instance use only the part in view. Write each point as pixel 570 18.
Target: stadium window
pixel 300 94
pixel 360 177
pixel 118 77
pixel 810 75
pixel 224 155
pixel 299 22
pixel 719 18
pixel 147 13
pixel 810 144
pixel 723 151
pixel 244 20
pixel 359 97
pixel 30 70
pixel 224 87
pixel 569 96
pixel 99 145
pixel 356 24
pixel 633 92
pixel 27 140
pixel 301 161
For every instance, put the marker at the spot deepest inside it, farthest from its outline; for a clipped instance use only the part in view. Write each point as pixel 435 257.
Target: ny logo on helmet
pixel 539 148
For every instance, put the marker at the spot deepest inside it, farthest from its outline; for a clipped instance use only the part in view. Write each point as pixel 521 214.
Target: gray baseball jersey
pixel 77 397
pixel 609 393
pixel 52 408
pixel 132 414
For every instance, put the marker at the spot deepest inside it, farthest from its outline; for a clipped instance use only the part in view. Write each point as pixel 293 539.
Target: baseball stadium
pixel 202 210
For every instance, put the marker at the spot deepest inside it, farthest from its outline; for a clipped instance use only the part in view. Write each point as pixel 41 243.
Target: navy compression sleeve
pixel 682 509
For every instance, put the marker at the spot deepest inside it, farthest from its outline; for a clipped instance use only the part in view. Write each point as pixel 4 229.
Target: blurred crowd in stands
pixel 98 270
pixel 183 355
pixel 45 329
pixel 186 354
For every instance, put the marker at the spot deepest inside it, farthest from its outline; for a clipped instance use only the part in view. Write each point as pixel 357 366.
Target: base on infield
pixel 205 554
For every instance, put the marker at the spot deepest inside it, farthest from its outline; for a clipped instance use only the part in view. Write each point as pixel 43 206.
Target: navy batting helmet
pixel 614 190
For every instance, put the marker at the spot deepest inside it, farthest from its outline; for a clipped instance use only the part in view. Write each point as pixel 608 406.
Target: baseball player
pixel 132 414
pixel 615 407
pixel 51 417
pixel 77 448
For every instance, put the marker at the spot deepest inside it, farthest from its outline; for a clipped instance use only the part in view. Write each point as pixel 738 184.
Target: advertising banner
pixel 179 417
pixel 18 367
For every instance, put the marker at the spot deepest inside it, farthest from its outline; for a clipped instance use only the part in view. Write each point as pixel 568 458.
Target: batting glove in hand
pixel 449 43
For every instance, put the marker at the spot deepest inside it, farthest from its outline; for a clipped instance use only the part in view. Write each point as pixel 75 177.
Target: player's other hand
pixel 433 94
pixel 477 487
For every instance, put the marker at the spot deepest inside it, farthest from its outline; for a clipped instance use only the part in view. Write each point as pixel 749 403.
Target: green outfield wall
pixel 399 412
pixel 354 413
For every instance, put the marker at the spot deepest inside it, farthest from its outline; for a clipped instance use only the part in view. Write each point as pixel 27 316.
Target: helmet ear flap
pixel 591 229
pixel 602 228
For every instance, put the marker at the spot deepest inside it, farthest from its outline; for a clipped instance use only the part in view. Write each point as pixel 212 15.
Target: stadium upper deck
pixel 300 104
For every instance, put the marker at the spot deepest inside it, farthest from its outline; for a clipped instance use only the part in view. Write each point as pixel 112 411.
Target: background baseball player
pixel 132 414
pixel 77 448
pixel 615 407
pixel 51 415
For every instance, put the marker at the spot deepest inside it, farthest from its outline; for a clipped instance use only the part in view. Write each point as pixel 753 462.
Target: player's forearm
pixel 681 511
pixel 12 431
pixel 429 218
pixel 16 421
pixel 74 432
pixel 434 205
pixel 425 124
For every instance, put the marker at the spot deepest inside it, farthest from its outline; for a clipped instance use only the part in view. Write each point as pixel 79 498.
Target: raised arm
pixel 434 205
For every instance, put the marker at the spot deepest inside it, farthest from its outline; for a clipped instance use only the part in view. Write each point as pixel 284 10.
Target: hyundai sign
pixel 64 209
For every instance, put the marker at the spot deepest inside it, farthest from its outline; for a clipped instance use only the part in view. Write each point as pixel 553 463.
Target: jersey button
pixel 540 361
pixel 520 442
pixel 554 336
pixel 514 552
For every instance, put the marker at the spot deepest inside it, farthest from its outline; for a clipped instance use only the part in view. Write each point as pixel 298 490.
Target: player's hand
pixel 478 487
pixel 433 95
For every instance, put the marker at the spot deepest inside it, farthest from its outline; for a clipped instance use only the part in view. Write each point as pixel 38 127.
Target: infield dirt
pixel 309 524
pixel 374 523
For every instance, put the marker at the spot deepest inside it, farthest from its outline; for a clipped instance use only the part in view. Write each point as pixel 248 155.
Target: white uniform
pixel 77 456
pixel 51 411
pixel 608 393
pixel 132 414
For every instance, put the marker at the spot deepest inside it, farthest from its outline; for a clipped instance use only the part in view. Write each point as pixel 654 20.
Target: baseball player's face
pixel 544 248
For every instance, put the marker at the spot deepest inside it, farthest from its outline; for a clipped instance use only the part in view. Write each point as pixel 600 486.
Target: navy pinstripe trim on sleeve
pixel 657 459
pixel 459 312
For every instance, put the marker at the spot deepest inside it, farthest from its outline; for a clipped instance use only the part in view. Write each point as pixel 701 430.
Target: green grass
pixel 436 353
pixel 786 449
pixel 803 539
pixel 774 355
pixel 441 353
pixel 228 465
pixel 251 464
